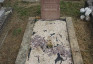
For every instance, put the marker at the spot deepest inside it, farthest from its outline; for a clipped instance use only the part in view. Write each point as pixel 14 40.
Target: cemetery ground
pixel 15 26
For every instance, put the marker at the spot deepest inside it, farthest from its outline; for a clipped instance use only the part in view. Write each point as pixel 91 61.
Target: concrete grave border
pixel 5 16
pixel 24 49
pixel 76 54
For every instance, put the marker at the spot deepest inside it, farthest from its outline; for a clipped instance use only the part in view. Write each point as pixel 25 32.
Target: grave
pixel 1 1
pixel 49 40
pixel 58 35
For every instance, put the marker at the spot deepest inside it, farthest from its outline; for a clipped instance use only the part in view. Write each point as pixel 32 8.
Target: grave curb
pixel 76 54
pixel 5 17
pixel 22 55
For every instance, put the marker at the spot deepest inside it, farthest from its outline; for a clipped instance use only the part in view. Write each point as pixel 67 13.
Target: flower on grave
pixel 85 13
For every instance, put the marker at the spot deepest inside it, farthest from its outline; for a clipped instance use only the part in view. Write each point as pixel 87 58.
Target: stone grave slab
pixel 49 43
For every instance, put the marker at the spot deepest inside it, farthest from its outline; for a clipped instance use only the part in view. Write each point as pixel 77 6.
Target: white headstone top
pixel 1 1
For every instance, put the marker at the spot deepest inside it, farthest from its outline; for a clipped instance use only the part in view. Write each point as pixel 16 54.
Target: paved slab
pixel 49 43
pixel 53 48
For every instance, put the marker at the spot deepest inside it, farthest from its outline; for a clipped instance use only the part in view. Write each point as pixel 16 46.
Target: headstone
pixel 50 9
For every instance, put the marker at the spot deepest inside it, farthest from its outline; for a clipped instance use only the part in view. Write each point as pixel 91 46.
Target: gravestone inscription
pixel 50 9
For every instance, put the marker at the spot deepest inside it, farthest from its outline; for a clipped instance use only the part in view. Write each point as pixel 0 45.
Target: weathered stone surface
pixel 4 13
pixel 76 54
pixel 49 43
pixel 1 1
pixel 50 9
pixel 26 51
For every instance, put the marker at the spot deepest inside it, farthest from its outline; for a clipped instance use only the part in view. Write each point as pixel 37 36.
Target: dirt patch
pixel 15 27
pixel 10 48
pixel 84 36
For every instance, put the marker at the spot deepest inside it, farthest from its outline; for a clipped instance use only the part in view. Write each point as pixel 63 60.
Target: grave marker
pixel 50 9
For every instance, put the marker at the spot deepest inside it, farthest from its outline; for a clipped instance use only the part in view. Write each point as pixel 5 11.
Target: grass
pixel 17 31
pixel 67 9
pixel 26 11
pixel 70 8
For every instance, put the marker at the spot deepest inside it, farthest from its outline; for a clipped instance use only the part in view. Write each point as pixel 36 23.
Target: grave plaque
pixel 50 9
